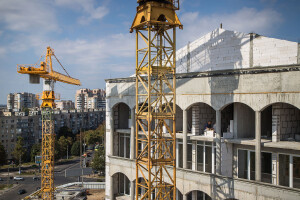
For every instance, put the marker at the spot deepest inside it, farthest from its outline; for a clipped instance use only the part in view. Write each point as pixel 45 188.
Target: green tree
pixel 94 136
pixel 65 131
pixel 75 150
pixel 98 162
pixel 3 155
pixel 19 151
pixel 35 151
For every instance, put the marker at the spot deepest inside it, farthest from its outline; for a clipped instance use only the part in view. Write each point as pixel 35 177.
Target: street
pixel 30 185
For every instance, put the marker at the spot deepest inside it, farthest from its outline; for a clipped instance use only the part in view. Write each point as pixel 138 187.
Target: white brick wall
pixel 223 49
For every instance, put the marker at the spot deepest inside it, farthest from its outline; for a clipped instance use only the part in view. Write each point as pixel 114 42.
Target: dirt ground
pixel 96 195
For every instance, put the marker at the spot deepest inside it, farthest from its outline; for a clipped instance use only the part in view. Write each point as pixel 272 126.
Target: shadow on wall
pixel 219 185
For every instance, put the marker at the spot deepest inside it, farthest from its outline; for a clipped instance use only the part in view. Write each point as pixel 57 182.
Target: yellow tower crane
pixel 48 97
pixel 155 26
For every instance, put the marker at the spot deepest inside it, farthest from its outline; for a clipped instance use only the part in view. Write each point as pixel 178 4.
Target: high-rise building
pixel 89 99
pixel 20 101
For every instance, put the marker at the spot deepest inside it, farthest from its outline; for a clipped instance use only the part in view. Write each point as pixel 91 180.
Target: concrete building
pixel 15 124
pixel 248 86
pixel 20 101
pixel 89 99
pixel 65 105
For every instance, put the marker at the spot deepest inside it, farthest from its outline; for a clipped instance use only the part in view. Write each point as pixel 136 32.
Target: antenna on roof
pixel 221 25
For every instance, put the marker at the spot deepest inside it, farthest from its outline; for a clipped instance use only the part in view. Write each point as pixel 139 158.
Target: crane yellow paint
pixel 48 98
pixel 155 26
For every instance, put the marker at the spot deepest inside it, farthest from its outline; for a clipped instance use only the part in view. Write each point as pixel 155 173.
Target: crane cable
pixel 61 64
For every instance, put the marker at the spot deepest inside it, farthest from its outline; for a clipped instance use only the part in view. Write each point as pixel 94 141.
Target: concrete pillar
pixel 274 168
pixel 132 186
pixel 194 195
pixel 218 142
pixel 184 142
pixel 194 155
pixel 111 188
pixel 111 135
pixel 184 197
pixel 291 171
pixel 196 120
pixel 258 146
pixel 248 165
pixel 132 134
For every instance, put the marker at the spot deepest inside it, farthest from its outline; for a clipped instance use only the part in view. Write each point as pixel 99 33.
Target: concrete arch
pixel 193 99
pixel 126 173
pixel 228 103
pixel 199 103
pixel 265 106
pixel 203 193
pixel 118 103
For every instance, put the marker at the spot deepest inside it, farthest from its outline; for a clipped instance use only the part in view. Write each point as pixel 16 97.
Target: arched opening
pixel 121 185
pixel 238 121
pixel 121 116
pixel 199 116
pixel 162 18
pixel 198 195
pixel 122 123
pixel 280 122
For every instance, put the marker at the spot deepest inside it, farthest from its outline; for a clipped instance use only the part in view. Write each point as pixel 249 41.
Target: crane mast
pixel 48 98
pixel 155 26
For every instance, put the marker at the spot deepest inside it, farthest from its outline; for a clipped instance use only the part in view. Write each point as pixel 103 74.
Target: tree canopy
pixel 3 155
pixel 19 151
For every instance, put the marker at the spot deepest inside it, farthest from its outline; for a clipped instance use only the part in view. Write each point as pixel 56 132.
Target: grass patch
pixel 4 186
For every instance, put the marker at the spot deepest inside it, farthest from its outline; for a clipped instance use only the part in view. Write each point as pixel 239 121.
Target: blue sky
pixel 91 37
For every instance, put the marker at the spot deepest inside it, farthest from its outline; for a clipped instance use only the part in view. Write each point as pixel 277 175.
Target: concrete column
pixel 218 142
pixel 274 168
pixel 194 155
pixel 185 197
pixel 132 186
pixel 111 138
pixel 111 188
pixel 291 171
pixel 248 165
pixel 258 146
pixel 196 120
pixel 132 134
pixel 194 195
pixel 184 142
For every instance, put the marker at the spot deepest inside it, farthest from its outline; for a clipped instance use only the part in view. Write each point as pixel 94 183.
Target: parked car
pixel 1 179
pixel 18 178
pixel 35 178
pixel 22 191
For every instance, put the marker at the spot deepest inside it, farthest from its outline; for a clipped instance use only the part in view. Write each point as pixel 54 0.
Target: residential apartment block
pixel 247 85
pixel 65 105
pixel 89 99
pixel 15 124
pixel 20 101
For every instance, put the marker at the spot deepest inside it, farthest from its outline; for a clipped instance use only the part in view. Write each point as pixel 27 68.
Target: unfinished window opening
pixel 246 164
pixel 122 116
pixel 286 122
pixel 227 120
pixel 266 123
pixel 189 155
pixel 206 159
pixel 296 172
pixel 201 119
pixel 266 167
pixel 179 153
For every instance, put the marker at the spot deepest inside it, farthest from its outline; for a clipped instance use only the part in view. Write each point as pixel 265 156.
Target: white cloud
pixel 27 16
pixel 245 20
pixel 91 11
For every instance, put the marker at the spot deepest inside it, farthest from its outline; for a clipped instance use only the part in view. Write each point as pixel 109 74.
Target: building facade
pixel 90 99
pixel 248 87
pixel 65 105
pixel 29 126
pixel 20 101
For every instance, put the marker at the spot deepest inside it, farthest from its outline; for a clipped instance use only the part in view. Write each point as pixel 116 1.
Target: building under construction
pixel 237 121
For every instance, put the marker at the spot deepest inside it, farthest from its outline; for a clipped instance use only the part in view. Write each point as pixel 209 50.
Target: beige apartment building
pixel 248 86
pixel 65 105
pixel 20 101
pixel 90 99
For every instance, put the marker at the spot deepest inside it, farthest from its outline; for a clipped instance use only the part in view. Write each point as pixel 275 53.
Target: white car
pixel 18 179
